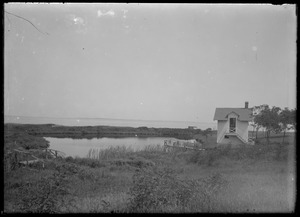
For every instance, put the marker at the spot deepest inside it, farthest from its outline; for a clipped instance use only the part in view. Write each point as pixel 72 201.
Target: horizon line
pixel 107 118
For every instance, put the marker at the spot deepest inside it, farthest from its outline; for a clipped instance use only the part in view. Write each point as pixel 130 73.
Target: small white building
pixel 233 125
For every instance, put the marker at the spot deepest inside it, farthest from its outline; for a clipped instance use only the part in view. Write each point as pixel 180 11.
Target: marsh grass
pixel 110 153
pixel 119 152
pixel 122 156
pixel 120 179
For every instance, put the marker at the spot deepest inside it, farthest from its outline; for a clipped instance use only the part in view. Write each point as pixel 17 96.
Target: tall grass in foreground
pixel 159 189
pixel 241 179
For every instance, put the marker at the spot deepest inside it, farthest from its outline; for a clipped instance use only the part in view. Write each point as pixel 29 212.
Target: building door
pixel 232 125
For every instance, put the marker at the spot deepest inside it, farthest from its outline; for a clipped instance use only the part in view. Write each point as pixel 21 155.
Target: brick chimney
pixel 246 105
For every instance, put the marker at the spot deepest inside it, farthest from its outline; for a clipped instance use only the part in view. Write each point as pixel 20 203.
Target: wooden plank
pixel 20 151
pixel 185 147
pixel 27 162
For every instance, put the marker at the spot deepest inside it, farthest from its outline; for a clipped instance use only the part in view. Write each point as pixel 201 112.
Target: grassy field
pixel 255 179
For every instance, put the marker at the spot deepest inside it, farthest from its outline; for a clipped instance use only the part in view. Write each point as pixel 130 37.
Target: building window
pixel 232 125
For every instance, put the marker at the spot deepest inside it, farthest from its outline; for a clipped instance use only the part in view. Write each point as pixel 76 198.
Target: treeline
pixel 273 119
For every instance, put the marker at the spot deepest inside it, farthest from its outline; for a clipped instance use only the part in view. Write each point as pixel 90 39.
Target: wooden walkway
pixel 168 144
pixel 54 153
pixel 28 154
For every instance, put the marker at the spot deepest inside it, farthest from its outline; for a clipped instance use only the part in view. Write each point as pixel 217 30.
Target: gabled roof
pixel 244 114
pixel 232 113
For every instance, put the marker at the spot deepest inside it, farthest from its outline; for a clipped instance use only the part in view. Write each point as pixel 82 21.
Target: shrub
pixel 69 159
pixel 24 140
pixel 48 195
pixel 152 190
pixel 160 190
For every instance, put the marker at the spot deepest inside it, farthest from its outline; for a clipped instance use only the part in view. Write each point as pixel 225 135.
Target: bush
pixel 48 195
pixel 69 159
pixel 153 190
pixel 24 140
pixel 160 190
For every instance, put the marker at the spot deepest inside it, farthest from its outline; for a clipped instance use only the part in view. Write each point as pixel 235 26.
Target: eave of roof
pixel 244 113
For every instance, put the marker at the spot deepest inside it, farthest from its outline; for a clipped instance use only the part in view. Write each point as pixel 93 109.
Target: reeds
pixel 152 148
pixel 119 152
pixel 110 153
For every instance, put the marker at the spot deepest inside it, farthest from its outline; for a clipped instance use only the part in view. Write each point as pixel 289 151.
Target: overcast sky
pixel 147 61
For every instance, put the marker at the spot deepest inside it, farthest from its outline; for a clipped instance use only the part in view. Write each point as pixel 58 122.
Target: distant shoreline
pixel 59 131
pixel 107 122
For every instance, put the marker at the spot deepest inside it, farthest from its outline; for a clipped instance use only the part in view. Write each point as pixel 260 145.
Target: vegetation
pixel 256 178
pixel 274 119
pixel 89 132
pixel 158 189
pixel 287 120
pixel 15 137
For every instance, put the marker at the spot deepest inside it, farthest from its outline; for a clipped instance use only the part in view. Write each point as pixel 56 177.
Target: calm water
pixel 80 147
pixel 106 122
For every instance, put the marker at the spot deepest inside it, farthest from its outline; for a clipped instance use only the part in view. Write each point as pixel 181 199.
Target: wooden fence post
pixel 16 163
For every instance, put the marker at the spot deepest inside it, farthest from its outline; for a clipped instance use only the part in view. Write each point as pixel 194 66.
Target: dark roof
pixel 244 114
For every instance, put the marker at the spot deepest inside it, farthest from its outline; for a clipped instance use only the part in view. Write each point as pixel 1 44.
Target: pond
pixel 81 147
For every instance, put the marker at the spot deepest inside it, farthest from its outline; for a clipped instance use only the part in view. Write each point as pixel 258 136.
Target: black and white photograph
pixel 149 108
